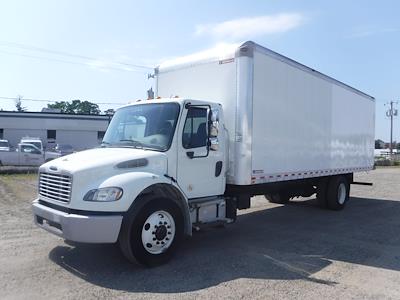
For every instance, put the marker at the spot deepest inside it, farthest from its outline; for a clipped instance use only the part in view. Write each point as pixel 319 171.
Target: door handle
pixel 218 168
pixel 190 154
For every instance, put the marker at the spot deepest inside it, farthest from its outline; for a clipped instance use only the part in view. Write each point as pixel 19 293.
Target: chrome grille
pixel 55 186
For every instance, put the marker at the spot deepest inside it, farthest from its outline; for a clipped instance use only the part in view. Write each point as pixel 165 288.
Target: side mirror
pixel 214 124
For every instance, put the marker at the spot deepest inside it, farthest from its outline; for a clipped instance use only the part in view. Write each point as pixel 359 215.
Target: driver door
pixel 31 156
pixel 200 169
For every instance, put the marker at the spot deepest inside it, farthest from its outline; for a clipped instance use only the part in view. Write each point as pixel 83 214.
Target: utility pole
pixel 391 113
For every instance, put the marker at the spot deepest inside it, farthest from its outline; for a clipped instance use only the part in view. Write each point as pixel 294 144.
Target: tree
pixel 76 107
pixel 109 112
pixel 18 104
pixel 379 144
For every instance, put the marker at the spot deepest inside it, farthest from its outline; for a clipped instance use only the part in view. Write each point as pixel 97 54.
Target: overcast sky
pixel 89 50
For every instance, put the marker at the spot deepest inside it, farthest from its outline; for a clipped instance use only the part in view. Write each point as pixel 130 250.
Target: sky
pixel 102 51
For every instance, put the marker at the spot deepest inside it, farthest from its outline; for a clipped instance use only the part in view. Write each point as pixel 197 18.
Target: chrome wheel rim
pixel 342 193
pixel 158 232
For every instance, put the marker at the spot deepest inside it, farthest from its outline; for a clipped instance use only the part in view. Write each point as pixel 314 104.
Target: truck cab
pixel 161 169
pixel 37 142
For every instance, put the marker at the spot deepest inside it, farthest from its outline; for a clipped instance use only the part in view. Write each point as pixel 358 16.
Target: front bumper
pixel 77 228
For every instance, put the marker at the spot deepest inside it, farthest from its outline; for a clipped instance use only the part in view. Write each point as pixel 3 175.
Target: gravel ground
pixel 272 251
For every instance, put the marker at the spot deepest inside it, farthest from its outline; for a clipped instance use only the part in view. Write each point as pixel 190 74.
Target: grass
pixel 22 186
pixel 13 177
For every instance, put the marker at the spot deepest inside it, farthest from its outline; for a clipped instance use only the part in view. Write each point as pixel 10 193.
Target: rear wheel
pixel 338 192
pixel 151 235
pixel 280 198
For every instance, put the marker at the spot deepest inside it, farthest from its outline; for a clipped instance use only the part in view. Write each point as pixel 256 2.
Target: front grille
pixel 55 186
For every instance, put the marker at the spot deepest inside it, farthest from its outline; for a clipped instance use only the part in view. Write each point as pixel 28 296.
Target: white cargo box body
pixel 285 121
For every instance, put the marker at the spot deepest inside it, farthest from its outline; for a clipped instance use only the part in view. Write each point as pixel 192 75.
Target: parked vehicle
pixel 64 149
pixel 267 126
pixel 26 155
pixel 4 145
pixel 37 142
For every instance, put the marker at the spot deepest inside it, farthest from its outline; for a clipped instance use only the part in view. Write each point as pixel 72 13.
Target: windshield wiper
pixel 137 143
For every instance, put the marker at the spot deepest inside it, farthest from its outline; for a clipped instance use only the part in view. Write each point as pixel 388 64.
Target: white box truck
pixel 235 123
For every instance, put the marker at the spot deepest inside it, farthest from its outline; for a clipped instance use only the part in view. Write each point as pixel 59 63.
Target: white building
pixel 79 131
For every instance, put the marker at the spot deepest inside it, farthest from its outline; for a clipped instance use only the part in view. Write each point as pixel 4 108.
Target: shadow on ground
pixel 284 242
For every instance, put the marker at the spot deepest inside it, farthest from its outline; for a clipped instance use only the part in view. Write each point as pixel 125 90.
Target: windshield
pixel 148 126
pixel 36 144
pixel 3 144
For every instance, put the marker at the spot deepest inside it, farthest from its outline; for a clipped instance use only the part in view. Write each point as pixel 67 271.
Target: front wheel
pixel 151 235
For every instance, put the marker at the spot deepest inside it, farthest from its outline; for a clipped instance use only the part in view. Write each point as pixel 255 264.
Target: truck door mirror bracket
pixel 214 144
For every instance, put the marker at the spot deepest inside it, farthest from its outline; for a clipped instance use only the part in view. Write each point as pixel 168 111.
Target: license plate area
pixel 48 223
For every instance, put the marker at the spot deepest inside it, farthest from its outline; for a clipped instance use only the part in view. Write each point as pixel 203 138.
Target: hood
pixel 106 159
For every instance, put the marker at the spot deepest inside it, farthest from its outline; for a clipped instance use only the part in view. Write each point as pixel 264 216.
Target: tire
pixel 338 192
pixel 151 235
pixel 279 198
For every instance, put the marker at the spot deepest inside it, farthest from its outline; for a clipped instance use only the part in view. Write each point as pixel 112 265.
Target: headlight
pixel 104 194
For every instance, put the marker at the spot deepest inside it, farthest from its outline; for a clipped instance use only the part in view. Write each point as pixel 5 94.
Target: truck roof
pixel 28 138
pixel 231 51
pixel 175 99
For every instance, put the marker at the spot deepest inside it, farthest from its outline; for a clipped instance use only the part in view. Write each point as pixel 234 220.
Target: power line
pixel 69 62
pixel 54 101
pixel 67 54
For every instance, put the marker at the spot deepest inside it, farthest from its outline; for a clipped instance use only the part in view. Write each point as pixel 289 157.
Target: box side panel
pixel 352 144
pixel 291 119
pixel 299 124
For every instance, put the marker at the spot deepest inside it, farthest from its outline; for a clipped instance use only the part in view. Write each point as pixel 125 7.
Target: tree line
pixel 73 107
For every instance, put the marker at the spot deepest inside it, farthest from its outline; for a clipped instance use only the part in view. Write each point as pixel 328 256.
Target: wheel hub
pixel 158 232
pixel 161 232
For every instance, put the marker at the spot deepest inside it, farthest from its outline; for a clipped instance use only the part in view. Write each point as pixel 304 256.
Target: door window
pixel 29 149
pixel 195 129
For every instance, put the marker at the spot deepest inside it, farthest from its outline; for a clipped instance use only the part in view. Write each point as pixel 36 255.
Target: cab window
pixel 195 129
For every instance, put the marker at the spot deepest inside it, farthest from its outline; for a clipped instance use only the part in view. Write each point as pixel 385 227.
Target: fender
pixel 136 184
